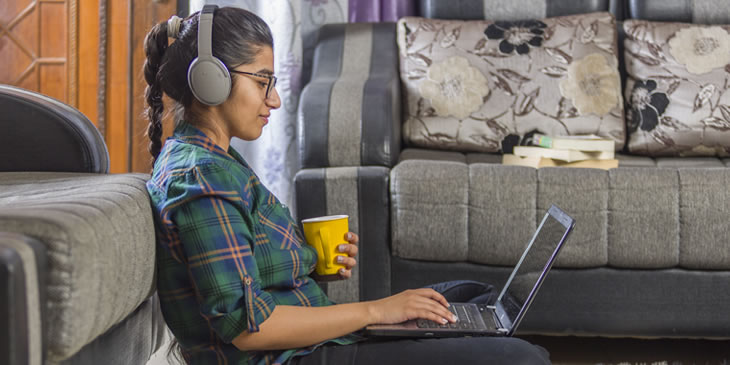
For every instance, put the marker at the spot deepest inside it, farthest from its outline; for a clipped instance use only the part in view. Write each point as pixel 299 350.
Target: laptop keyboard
pixel 467 315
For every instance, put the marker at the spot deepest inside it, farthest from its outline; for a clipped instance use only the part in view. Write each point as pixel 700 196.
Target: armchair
pixel 77 245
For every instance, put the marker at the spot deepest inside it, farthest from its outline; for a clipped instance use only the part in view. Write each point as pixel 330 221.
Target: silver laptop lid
pixel 529 273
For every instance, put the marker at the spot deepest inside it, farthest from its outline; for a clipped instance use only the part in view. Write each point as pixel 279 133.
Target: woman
pixel 233 272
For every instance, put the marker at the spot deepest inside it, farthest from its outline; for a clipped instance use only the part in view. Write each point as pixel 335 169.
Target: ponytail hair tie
pixel 173 26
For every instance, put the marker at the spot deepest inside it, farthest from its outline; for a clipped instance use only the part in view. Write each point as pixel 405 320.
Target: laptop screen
pixel 536 260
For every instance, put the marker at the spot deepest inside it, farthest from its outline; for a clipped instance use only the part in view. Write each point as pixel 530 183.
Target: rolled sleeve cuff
pixel 258 307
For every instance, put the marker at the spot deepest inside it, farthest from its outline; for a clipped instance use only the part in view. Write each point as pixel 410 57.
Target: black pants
pixel 463 350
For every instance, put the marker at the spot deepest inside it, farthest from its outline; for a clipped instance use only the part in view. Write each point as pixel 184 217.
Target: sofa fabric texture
pixel 513 10
pixel 353 98
pixel 475 85
pixel 21 294
pixel 99 236
pixel 449 209
pixel 132 341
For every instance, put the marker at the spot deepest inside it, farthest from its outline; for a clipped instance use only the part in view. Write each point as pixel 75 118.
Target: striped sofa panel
pixel 350 112
pixel 515 9
pixel 686 11
pixel 362 194
pixel 648 214
pixel 22 298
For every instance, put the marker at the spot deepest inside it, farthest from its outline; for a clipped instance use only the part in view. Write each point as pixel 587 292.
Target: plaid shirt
pixel 228 251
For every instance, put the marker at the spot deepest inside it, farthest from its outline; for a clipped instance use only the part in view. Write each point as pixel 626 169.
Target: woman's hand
pixel 411 304
pixel 350 249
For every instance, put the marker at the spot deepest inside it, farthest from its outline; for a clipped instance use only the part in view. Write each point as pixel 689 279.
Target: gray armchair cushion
pixel 100 240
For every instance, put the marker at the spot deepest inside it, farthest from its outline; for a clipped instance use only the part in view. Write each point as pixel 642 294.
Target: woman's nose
pixel 273 101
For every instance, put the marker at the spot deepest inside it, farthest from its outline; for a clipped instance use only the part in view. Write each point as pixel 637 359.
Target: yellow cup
pixel 325 234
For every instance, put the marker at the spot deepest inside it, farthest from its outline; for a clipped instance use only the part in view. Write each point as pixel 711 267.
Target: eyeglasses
pixel 270 85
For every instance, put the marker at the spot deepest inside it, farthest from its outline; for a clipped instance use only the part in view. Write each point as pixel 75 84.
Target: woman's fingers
pixel 436 308
pixel 349 249
pixel 438 297
pixel 345 274
pixel 352 238
pixel 349 262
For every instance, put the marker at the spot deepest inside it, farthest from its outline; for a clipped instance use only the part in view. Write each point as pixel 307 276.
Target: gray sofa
pixel 77 244
pixel 649 255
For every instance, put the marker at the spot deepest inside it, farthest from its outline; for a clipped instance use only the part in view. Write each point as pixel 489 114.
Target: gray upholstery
pixel 353 113
pixel 443 209
pixel 47 135
pixel 361 193
pixel 515 9
pixel 99 234
pixel 686 11
pixel 131 341
pixel 22 290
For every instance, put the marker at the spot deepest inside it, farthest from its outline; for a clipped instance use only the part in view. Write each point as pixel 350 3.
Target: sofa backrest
pixel 515 9
pixel 686 11
pixel 43 134
pixel 343 122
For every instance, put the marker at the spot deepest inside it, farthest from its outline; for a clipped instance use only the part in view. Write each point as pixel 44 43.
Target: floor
pixel 606 351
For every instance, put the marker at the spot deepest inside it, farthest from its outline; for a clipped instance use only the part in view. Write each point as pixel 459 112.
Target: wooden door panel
pixel 34 46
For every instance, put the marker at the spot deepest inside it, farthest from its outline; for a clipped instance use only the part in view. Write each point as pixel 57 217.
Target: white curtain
pixel 294 23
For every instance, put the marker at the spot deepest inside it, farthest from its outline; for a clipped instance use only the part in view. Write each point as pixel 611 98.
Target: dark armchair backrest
pixel 38 133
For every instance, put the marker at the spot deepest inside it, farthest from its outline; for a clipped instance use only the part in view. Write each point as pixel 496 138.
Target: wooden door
pixel 38 46
pixel 88 54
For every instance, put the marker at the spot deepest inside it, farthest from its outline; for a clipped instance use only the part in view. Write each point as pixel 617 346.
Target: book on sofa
pixel 562 154
pixel 538 162
pixel 590 142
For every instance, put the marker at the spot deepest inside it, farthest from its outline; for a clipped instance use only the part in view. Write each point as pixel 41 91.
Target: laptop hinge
pixel 500 326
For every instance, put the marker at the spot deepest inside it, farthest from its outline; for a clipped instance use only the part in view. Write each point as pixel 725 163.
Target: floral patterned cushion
pixel 677 89
pixel 487 86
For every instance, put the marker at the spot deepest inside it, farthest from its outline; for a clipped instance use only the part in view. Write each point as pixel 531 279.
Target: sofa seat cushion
pixel 646 214
pixel 100 240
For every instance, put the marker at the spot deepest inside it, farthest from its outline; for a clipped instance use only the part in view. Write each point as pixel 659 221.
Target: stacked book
pixel 567 151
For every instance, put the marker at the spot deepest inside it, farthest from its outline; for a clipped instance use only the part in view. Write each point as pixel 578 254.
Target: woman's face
pixel 247 110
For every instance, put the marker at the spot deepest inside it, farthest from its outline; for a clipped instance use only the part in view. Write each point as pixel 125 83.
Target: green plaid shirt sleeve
pixel 215 236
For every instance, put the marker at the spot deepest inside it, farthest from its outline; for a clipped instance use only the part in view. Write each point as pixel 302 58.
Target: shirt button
pixel 248 281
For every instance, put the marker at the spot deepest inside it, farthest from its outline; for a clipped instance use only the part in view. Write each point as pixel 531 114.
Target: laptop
pixel 502 318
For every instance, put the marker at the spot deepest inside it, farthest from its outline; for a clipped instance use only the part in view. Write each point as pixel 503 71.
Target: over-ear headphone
pixel 208 77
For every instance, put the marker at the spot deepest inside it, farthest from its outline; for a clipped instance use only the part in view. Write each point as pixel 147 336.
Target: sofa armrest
pixel 22 290
pixel 99 233
pixel 361 193
pixel 350 112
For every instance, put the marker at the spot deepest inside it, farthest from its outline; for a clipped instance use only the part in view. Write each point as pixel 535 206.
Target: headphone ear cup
pixel 209 80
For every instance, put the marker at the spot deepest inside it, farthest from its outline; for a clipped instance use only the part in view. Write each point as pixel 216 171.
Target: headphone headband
pixel 205 31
